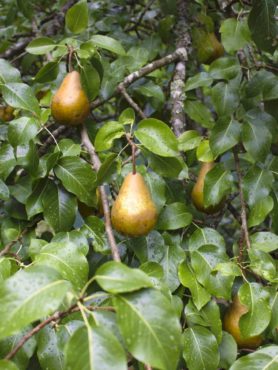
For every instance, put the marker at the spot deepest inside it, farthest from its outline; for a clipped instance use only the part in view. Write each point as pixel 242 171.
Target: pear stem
pixel 69 64
pixel 133 152
pixel 106 210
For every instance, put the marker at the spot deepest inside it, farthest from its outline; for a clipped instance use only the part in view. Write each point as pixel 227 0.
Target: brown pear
pixel 197 194
pixel 231 325
pixel 70 105
pixel 134 212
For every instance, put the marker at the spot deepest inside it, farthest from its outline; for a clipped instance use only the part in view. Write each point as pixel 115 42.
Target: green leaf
pixel 200 349
pixel 188 279
pixel 173 255
pixel 263 265
pixel 107 134
pixel 22 357
pixel 157 137
pixel 265 358
pixel 108 43
pixel 107 168
pixel 47 73
pixel 227 351
pixel 235 34
pixel 228 269
pixel 8 365
pixel 4 191
pixel 199 113
pixel 67 259
pixel 24 297
pixel 95 229
pixel 260 210
pixel 199 80
pixel 224 136
pixel 206 236
pixel 91 81
pixel 204 260
pixel 256 140
pixel 218 183
pixel 263 24
pixel 204 153
pixel 69 148
pixel 164 166
pixel 263 83
pixel 100 350
pixel 264 241
pixel 7 160
pixel 157 187
pixel 226 68
pixel 5 270
pixel 152 91
pixel 174 216
pixel 257 184
pixel 77 17
pixel 34 201
pixel 225 98
pixel 40 46
pixel 22 130
pixel 78 178
pixel 20 96
pixel 8 73
pixel 189 140
pixel 154 320
pixel 127 117
pixel 59 207
pixel 115 277
pixel 256 299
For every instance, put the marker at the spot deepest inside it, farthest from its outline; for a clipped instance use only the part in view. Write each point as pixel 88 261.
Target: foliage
pixel 163 304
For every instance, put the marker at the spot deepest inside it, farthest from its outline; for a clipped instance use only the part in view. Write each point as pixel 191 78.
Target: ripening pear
pixel 207 45
pixel 70 105
pixel 197 194
pixel 231 325
pixel 134 212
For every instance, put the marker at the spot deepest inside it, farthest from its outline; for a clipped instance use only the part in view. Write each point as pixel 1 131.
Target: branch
pixel 141 16
pixel 180 53
pixel 57 316
pixel 106 210
pixel 243 213
pixel 177 94
pixel 131 102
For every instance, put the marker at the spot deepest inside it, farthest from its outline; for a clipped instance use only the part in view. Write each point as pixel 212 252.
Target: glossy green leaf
pixel 148 317
pixel 264 241
pixel 40 46
pixel 34 201
pixel 260 211
pixel 174 216
pixel 225 98
pixel 206 236
pixel 189 140
pixel 173 256
pixel 108 43
pixel 188 279
pixel 5 268
pixel 7 160
pixel 67 259
pixel 8 365
pixel 257 184
pixel 164 166
pixel 157 137
pixel 47 73
pixel 265 358
pixel 218 183
pixel 225 68
pixel 59 207
pixel 69 148
pixel 78 177
pixel 204 153
pixel 4 191
pixel 127 117
pixel 19 95
pixel 199 113
pixel 107 168
pixel 8 73
pixel 199 80
pixel 224 136
pixel 77 17
pixel 25 297
pixel 263 265
pixel 107 134
pixel 22 130
pixel 227 351
pixel 200 349
pixel 91 81
pixel 256 140
pixel 115 277
pixel 256 299
pixel 235 34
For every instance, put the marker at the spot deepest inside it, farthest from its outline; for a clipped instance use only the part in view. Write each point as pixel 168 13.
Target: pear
pixel 134 212
pixel 197 194
pixel 231 325
pixel 207 45
pixel 70 105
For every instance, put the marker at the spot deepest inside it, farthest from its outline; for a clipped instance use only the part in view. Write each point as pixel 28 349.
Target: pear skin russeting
pixel 197 194
pixel 231 325
pixel 70 105
pixel 134 212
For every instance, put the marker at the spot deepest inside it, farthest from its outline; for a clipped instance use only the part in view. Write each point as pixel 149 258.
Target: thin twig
pixel 131 102
pixel 243 213
pixel 106 210
pixel 141 16
pixel 57 316
pixel 133 150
